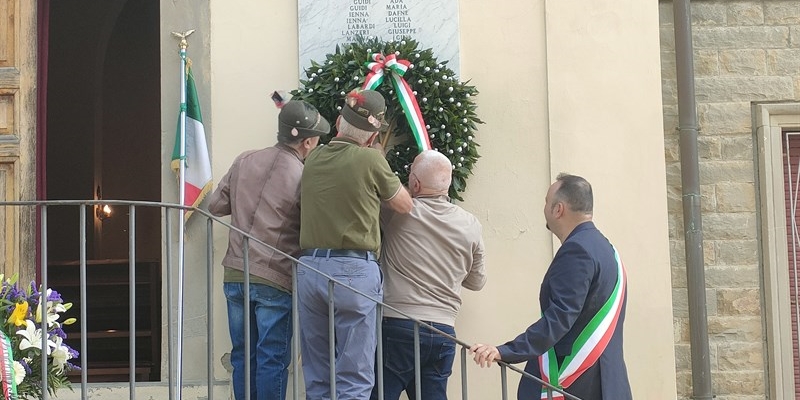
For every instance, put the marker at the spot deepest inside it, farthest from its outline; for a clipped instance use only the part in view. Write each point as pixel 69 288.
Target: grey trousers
pixel 354 325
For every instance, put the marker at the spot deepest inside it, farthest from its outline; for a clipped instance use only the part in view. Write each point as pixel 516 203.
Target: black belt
pixel 364 254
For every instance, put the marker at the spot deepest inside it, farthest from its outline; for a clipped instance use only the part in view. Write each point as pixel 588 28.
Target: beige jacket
pixel 428 255
pixel 261 193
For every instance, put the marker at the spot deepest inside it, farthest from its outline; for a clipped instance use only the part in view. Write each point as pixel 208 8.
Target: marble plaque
pixel 324 24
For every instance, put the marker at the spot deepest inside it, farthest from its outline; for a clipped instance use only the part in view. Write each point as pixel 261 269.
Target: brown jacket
pixel 261 193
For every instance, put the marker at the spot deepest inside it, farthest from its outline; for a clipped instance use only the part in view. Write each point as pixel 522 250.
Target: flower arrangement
pixel 21 315
pixel 446 104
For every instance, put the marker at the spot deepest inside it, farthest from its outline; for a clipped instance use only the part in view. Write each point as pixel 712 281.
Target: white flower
pixel 60 357
pixel 53 310
pixel 19 372
pixel 31 337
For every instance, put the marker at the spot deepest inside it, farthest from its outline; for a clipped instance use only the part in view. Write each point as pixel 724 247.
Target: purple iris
pixel 26 366
pixel 54 296
pixel 59 332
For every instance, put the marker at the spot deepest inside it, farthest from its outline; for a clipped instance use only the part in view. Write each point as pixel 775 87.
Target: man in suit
pixel 584 283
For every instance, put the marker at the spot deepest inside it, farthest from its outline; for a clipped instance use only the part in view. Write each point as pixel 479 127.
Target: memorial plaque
pixel 324 24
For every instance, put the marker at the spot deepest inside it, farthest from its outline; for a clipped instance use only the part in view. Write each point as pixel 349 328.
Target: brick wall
pixel 744 51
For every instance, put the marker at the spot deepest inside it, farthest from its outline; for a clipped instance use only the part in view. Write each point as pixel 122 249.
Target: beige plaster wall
pixel 605 124
pixel 181 16
pixel 565 86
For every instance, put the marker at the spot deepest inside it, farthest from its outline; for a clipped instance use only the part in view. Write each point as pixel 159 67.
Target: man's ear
pixel 414 187
pixel 560 209
pixel 372 139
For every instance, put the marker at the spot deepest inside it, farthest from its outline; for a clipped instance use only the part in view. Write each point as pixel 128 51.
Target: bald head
pixel 433 171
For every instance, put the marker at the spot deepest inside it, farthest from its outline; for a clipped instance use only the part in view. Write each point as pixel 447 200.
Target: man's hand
pixel 485 354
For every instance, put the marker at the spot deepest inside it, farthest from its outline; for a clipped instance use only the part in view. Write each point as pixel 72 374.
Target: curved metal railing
pixel 174 354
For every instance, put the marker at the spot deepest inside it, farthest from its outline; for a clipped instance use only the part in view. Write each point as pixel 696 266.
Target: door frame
pixel 771 120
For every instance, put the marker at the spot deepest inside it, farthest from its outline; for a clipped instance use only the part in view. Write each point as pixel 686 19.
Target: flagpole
pixel 181 223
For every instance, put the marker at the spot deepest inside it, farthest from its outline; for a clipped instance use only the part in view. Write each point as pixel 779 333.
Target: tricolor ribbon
pixel 9 381
pixel 405 95
pixel 590 343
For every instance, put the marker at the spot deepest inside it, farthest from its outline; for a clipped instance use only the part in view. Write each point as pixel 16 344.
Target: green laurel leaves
pixel 447 105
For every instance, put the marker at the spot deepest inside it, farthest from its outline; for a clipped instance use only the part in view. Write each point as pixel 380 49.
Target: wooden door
pixel 18 49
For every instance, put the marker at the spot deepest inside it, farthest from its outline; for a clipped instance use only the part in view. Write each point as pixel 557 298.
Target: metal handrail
pixel 248 239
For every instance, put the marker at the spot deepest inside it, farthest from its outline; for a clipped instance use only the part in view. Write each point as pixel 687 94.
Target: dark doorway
pixel 103 141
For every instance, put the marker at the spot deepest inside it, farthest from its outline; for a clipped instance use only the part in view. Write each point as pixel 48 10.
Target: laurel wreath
pixel 447 105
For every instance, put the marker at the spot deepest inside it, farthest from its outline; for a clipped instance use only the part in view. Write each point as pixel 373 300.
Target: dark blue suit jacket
pixel 578 282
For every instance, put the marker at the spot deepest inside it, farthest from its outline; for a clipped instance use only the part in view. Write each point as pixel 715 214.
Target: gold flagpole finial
pixel 183 43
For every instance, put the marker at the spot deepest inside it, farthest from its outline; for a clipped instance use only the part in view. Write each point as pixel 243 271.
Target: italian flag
pixel 197 180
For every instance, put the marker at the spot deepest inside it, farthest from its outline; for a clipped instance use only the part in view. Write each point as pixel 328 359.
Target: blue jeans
pixel 436 360
pixel 270 313
pixel 355 326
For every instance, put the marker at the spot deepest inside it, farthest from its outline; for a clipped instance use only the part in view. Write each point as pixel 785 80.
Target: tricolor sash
pixel 591 342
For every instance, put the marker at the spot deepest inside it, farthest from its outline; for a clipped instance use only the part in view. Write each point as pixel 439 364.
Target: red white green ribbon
pixel 9 382
pixel 397 68
pixel 591 342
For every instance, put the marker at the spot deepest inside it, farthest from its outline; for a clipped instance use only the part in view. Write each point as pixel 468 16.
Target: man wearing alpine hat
pixel 261 193
pixel 343 185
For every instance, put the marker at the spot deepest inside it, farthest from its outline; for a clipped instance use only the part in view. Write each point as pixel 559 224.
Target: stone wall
pixel 745 51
